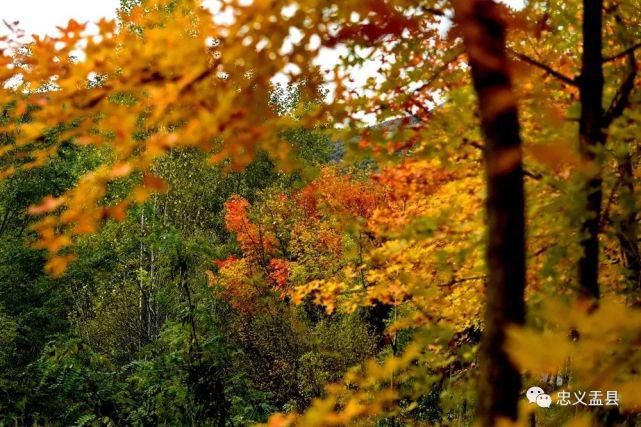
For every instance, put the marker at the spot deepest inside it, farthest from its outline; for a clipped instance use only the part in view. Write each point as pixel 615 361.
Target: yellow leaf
pixel 537 352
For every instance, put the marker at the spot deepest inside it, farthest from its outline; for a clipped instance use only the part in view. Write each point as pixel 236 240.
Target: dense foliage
pixel 185 242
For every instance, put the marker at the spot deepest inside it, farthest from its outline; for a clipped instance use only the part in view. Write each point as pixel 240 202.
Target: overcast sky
pixel 42 16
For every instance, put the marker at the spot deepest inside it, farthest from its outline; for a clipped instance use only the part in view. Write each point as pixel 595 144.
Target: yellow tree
pixel 590 78
pixel 168 75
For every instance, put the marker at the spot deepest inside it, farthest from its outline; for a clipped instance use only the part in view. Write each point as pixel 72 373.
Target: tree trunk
pixel 483 32
pixel 626 226
pixel 592 137
pixel 627 231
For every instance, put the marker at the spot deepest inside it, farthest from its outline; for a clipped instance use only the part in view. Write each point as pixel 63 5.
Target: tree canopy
pixel 187 241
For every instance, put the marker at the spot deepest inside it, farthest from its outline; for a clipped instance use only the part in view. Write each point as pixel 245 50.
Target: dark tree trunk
pixel 483 31
pixel 626 225
pixel 592 137
pixel 627 231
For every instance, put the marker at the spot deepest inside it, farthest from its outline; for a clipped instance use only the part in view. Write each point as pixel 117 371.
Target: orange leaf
pixel 119 170
pixel 58 265
pixel 140 194
pixel 155 183
pixel 48 204
pixel 119 211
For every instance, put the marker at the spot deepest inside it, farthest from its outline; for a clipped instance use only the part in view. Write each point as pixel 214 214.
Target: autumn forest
pixel 323 213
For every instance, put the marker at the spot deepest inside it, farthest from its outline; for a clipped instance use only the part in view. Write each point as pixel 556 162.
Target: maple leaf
pixel 49 204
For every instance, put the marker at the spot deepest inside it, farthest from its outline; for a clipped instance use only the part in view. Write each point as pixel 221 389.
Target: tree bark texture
pixel 592 138
pixel 483 30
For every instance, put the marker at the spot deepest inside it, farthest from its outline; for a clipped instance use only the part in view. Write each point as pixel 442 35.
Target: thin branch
pixel 429 316
pixel 605 216
pixel 549 70
pixel 442 68
pixel 434 11
pixel 542 250
pixel 456 55
pixel 8 25
pixel 533 175
pixel 622 97
pixel 623 53
pixel 465 279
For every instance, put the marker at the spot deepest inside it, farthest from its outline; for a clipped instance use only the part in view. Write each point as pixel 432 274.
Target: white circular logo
pixel 544 400
pixel 533 392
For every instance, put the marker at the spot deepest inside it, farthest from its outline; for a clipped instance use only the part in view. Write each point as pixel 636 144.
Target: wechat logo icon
pixel 538 396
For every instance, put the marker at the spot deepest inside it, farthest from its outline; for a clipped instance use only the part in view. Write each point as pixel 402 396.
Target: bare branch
pixel 462 280
pixel 605 216
pixel 549 70
pixel 529 174
pixel 622 97
pixel 434 11
pixel 623 53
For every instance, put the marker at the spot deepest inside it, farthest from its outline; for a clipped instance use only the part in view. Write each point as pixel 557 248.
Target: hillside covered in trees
pixel 204 223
